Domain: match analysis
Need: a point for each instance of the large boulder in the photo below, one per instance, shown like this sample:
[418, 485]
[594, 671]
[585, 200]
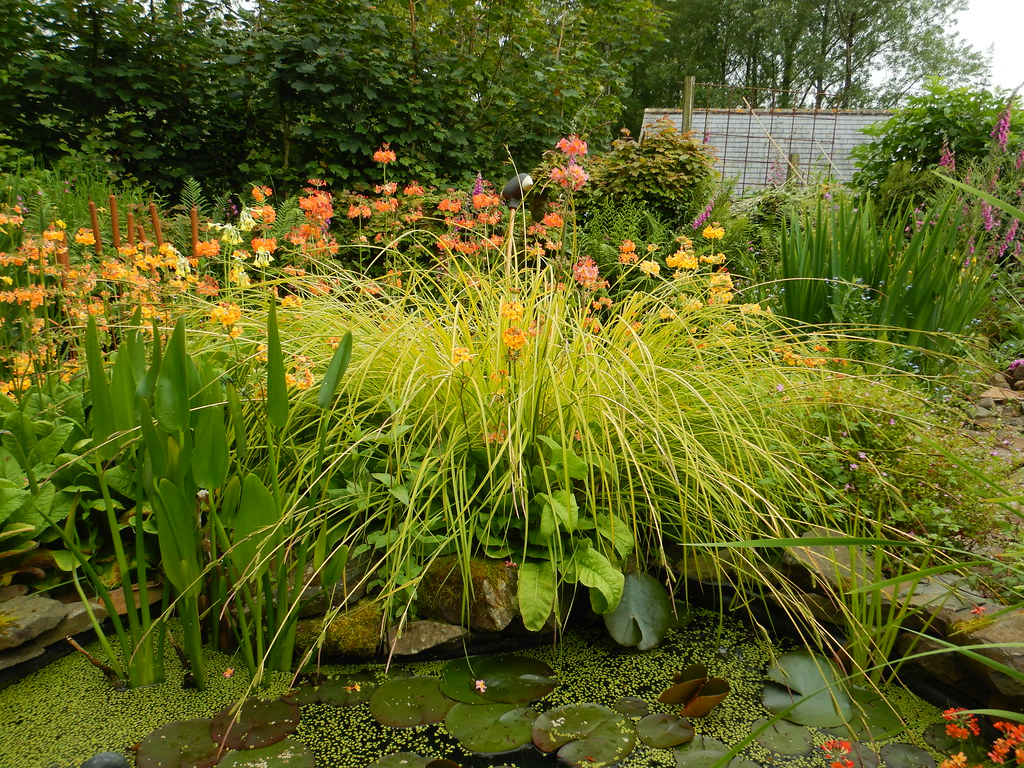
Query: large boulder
[481, 596]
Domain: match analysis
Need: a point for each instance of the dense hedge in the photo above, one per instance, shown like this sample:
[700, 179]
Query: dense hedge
[293, 90]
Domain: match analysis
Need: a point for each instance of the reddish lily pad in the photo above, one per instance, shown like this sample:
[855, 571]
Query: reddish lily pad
[182, 744]
[585, 734]
[258, 723]
[698, 693]
[491, 728]
[410, 701]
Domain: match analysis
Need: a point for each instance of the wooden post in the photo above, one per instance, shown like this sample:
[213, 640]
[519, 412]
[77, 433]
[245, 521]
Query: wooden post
[95, 221]
[793, 166]
[115, 223]
[131, 227]
[195, 230]
[154, 215]
[689, 84]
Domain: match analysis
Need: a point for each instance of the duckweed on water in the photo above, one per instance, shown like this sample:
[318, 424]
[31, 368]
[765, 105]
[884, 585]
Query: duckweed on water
[66, 712]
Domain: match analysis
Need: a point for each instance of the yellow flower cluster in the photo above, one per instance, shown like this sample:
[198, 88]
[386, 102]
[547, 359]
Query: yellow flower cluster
[514, 338]
[512, 311]
[226, 314]
[461, 355]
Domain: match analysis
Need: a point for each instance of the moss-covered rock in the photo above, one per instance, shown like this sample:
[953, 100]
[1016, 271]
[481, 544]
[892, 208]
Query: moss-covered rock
[482, 596]
[355, 632]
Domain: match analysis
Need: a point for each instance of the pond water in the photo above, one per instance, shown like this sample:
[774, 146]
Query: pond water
[66, 712]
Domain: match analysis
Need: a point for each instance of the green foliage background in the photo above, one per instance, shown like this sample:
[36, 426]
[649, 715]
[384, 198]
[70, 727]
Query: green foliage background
[294, 90]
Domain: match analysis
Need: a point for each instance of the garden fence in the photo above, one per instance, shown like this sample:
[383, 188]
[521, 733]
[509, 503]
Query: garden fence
[765, 136]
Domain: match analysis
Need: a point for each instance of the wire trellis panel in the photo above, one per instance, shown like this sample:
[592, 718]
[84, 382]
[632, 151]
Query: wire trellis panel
[762, 147]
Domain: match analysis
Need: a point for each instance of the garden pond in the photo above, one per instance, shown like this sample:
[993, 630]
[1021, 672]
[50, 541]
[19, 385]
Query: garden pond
[586, 698]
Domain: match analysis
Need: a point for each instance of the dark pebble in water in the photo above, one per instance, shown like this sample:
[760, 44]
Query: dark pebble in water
[106, 760]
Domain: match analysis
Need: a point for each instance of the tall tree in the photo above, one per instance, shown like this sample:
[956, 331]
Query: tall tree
[807, 53]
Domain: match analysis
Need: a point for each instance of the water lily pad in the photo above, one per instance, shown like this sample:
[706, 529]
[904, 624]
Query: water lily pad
[709, 758]
[783, 737]
[442, 762]
[584, 734]
[906, 756]
[491, 728]
[348, 691]
[631, 706]
[503, 678]
[873, 718]
[936, 737]
[808, 691]
[410, 701]
[698, 693]
[663, 730]
[643, 614]
[687, 683]
[284, 754]
[862, 756]
[701, 742]
[257, 724]
[401, 760]
[182, 744]
[302, 694]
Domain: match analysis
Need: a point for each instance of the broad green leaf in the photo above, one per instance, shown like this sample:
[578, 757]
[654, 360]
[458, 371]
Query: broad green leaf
[177, 534]
[50, 444]
[592, 569]
[254, 531]
[123, 385]
[337, 368]
[536, 592]
[566, 459]
[237, 420]
[102, 413]
[564, 508]
[277, 385]
[210, 457]
[171, 395]
[644, 613]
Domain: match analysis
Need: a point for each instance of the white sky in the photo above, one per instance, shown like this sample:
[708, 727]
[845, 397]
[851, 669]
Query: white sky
[998, 23]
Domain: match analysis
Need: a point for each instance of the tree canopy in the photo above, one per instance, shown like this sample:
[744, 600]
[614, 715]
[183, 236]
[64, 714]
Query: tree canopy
[286, 90]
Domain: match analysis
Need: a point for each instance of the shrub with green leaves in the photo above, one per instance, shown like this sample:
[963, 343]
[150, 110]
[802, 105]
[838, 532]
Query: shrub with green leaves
[671, 173]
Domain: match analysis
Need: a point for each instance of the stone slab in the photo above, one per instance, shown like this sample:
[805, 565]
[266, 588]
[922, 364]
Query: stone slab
[25, 618]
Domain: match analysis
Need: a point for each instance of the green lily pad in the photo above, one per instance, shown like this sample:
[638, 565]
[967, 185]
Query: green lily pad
[442, 762]
[302, 694]
[505, 678]
[631, 706]
[257, 724]
[701, 742]
[862, 755]
[401, 760]
[643, 614]
[348, 691]
[183, 744]
[906, 756]
[935, 736]
[663, 730]
[491, 728]
[783, 737]
[809, 691]
[873, 718]
[708, 758]
[284, 754]
[584, 734]
[410, 701]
